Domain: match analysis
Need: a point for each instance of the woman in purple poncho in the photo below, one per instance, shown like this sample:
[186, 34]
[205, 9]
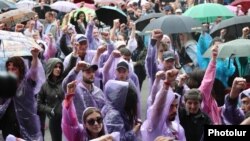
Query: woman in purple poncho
[18, 113]
[92, 127]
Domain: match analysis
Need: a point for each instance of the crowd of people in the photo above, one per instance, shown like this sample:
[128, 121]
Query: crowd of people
[88, 77]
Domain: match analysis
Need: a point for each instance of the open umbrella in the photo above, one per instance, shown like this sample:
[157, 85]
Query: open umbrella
[17, 16]
[233, 25]
[143, 21]
[26, 4]
[234, 48]
[107, 2]
[244, 3]
[107, 14]
[170, 24]
[63, 6]
[42, 9]
[6, 5]
[208, 12]
[16, 44]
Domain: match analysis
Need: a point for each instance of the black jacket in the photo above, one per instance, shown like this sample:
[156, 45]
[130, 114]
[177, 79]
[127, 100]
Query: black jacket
[193, 124]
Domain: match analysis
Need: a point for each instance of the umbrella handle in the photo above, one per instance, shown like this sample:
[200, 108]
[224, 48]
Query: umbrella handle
[231, 56]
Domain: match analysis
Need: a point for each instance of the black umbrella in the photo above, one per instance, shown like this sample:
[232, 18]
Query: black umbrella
[171, 24]
[143, 21]
[233, 26]
[107, 14]
[42, 11]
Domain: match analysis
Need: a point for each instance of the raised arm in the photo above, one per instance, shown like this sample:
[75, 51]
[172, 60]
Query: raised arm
[160, 75]
[132, 42]
[51, 50]
[209, 104]
[89, 32]
[163, 100]
[73, 73]
[108, 64]
[151, 57]
[35, 63]
[231, 112]
[70, 125]
[116, 25]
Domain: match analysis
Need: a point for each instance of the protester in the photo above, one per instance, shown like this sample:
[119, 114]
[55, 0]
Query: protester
[51, 95]
[92, 121]
[162, 116]
[120, 113]
[18, 114]
[87, 94]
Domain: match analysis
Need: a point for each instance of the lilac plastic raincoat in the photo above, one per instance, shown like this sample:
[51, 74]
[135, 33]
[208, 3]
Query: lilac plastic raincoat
[25, 104]
[114, 115]
[157, 124]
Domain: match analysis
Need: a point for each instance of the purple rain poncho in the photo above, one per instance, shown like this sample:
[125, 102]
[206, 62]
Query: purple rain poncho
[113, 112]
[72, 129]
[83, 97]
[156, 124]
[25, 103]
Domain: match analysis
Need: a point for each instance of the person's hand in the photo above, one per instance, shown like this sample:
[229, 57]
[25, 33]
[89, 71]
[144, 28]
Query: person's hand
[238, 85]
[214, 51]
[81, 65]
[35, 52]
[71, 87]
[19, 27]
[123, 27]
[101, 49]
[245, 32]
[157, 34]
[160, 75]
[116, 53]
[132, 25]
[182, 79]
[137, 127]
[116, 23]
[162, 138]
[223, 32]
[171, 75]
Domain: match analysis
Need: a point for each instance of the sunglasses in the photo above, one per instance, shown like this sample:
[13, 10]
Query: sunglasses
[92, 121]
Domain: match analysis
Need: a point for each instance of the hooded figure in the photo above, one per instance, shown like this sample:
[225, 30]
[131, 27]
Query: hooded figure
[120, 115]
[19, 113]
[51, 95]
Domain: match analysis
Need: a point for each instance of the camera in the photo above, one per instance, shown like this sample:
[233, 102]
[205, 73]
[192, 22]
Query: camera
[8, 85]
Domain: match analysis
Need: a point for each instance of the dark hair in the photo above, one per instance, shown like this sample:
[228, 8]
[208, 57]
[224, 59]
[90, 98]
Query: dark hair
[124, 36]
[195, 78]
[78, 17]
[131, 104]
[216, 39]
[140, 43]
[88, 112]
[17, 62]
[125, 51]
